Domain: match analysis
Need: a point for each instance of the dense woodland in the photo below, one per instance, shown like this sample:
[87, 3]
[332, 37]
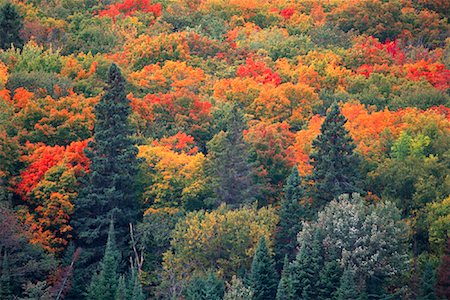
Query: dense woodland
[224, 149]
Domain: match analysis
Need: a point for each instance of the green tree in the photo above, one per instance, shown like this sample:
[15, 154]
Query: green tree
[5, 278]
[348, 288]
[135, 286]
[111, 188]
[329, 279]
[290, 215]
[104, 284]
[237, 290]
[121, 291]
[285, 289]
[11, 22]
[263, 276]
[229, 167]
[209, 288]
[428, 282]
[334, 162]
[306, 267]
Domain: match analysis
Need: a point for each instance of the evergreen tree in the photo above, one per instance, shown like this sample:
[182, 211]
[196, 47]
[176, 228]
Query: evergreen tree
[11, 22]
[236, 290]
[121, 291]
[110, 189]
[135, 290]
[5, 278]
[103, 285]
[209, 288]
[263, 276]
[427, 282]
[443, 274]
[348, 288]
[329, 279]
[290, 215]
[306, 268]
[285, 289]
[229, 166]
[333, 160]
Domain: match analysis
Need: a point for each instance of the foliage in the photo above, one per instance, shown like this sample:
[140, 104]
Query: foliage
[262, 274]
[10, 24]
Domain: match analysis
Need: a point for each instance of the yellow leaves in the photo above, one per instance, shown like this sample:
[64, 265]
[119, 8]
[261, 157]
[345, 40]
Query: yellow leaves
[3, 75]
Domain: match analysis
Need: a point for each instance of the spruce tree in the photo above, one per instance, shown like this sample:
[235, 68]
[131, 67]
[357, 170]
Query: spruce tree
[306, 268]
[348, 288]
[334, 162]
[110, 189]
[209, 288]
[121, 291]
[135, 287]
[5, 278]
[104, 284]
[263, 277]
[11, 22]
[228, 164]
[285, 289]
[329, 279]
[290, 216]
[428, 282]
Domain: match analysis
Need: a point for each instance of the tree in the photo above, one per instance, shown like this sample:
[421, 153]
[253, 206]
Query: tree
[110, 190]
[121, 291]
[104, 284]
[335, 165]
[290, 215]
[263, 276]
[285, 289]
[306, 268]
[348, 289]
[10, 26]
[209, 288]
[5, 278]
[329, 278]
[428, 282]
[229, 166]
[443, 274]
[236, 290]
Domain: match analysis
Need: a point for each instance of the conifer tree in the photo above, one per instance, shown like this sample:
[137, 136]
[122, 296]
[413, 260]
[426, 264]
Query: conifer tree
[348, 289]
[290, 215]
[104, 284]
[209, 288]
[110, 189]
[237, 290]
[121, 291]
[229, 166]
[329, 279]
[306, 268]
[285, 289]
[135, 286]
[334, 162]
[11, 22]
[263, 276]
[428, 282]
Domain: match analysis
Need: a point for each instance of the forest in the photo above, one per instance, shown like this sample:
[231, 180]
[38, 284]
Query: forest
[224, 149]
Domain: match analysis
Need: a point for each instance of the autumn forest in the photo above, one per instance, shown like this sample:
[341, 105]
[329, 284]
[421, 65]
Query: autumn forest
[224, 149]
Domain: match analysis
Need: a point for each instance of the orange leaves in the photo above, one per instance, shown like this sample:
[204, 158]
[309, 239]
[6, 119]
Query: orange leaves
[130, 7]
[259, 71]
[3, 75]
[435, 73]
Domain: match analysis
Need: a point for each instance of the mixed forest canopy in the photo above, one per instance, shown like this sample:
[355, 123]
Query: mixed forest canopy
[224, 149]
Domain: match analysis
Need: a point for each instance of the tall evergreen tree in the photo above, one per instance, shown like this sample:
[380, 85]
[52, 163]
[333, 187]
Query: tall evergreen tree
[348, 288]
[306, 268]
[329, 279]
[110, 190]
[229, 166]
[263, 277]
[5, 278]
[104, 284]
[334, 162]
[285, 289]
[121, 291]
[135, 287]
[11, 22]
[428, 282]
[290, 215]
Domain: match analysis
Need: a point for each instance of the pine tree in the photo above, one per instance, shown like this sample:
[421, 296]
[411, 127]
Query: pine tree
[110, 189]
[335, 165]
[290, 215]
[103, 285]
[443, 274]
[135, 290]
[229, 166]
[263, 276]
[306, 268]
[348, 289]
[11, 22]
[427, 282]
[329, 279]
[121, 291]
[209, 288]
[285, 289]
